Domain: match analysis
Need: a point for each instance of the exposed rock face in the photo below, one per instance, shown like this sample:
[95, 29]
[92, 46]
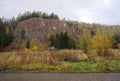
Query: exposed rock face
[40, 28]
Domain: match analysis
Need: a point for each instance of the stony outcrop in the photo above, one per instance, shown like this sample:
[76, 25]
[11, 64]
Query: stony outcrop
[40, 28]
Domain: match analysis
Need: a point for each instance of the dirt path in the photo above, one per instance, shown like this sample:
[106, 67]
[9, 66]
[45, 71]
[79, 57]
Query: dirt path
[59, 76]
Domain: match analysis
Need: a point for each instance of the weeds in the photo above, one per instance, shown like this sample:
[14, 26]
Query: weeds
[60, 61]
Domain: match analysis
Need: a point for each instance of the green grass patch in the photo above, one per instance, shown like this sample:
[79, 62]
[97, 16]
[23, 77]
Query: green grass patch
[90, 66]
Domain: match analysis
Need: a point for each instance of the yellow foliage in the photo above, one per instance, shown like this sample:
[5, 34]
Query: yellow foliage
[35, 47]
[102, 41]
[84, 40]
[32, 43]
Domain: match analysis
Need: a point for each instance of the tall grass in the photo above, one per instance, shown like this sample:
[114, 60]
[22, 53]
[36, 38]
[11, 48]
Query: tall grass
[116, 54]
[42, 57]
[51, 60]
[71, 55]
[101, 55]
[25, 57]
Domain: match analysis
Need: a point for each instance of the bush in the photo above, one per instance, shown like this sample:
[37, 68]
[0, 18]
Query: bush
[100, 55]
[118, 45]
[71, 55]
[116, 54]
[102, 41]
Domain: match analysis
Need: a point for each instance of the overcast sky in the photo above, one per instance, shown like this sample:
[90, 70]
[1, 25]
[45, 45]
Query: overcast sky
[99, 11]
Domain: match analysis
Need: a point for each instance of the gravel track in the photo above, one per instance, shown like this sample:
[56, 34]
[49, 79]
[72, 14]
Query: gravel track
[29, 76]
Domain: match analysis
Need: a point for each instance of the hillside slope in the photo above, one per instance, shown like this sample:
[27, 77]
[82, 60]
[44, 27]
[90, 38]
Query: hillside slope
[40, 28]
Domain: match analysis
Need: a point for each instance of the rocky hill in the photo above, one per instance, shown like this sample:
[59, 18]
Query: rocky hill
[39, 28]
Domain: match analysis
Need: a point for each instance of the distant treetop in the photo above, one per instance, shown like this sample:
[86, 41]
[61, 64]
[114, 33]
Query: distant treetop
[38, 14]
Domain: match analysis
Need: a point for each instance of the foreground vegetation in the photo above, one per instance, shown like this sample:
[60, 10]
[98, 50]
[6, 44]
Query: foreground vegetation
[90, 66]
[60, 61]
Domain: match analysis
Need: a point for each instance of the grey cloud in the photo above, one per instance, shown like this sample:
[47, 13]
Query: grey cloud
[99, 11]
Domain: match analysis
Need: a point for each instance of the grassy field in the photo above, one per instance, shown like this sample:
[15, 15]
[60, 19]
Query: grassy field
[108, 66]
[60, 61]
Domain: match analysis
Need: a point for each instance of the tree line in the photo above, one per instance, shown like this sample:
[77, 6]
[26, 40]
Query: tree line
[6, 36]
[87, 33]
[89, 36]
[38, 14]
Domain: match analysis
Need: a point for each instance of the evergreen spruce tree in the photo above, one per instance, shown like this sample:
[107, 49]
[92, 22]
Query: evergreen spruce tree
[28, 44]
[52, 39]
[57, 41]
[62, 41]
[52, 16]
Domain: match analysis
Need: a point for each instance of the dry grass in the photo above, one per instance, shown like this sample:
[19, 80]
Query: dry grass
[54, 57]
[116, 54]
[25, 57]
[101, 55]
[71, 55]
[56, 61]
[46, 57]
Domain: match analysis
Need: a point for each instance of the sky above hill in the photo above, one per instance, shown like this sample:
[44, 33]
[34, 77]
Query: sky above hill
[98, 11]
